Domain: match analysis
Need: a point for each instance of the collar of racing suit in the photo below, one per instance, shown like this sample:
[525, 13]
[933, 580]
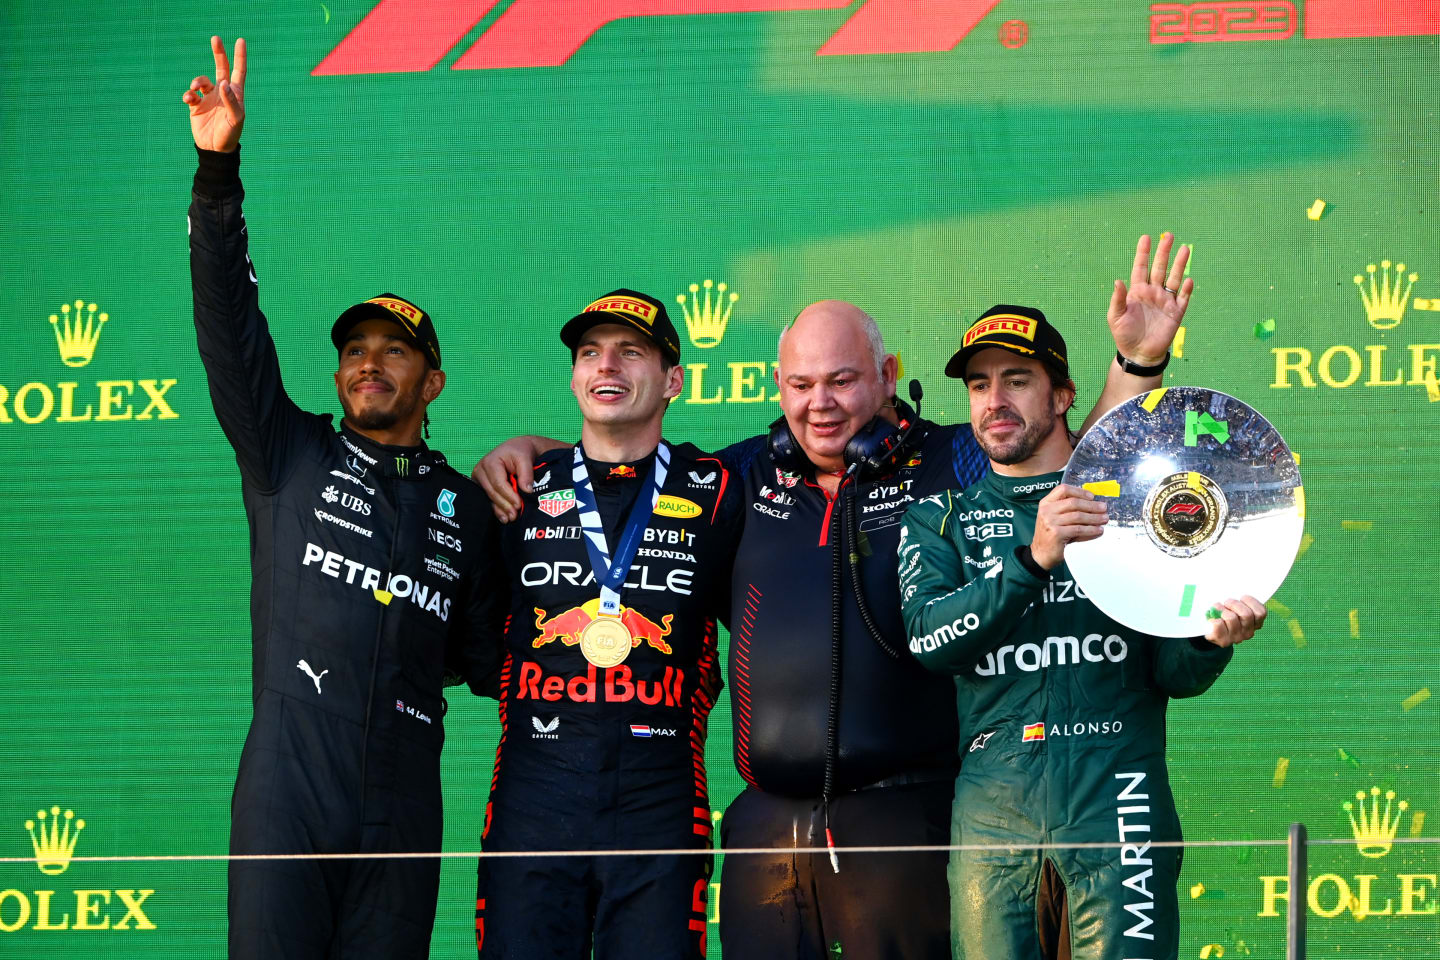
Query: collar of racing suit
[1021, 488]
[405, 463]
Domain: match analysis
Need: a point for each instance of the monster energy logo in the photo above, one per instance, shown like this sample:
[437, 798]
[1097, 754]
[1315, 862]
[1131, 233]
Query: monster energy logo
[402, 466]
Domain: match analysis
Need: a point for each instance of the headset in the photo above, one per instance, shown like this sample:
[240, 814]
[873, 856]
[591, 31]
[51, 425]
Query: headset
[874, 451]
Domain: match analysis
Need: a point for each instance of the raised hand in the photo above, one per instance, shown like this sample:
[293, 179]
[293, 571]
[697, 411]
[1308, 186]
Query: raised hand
[217, 110]
[1143, 318]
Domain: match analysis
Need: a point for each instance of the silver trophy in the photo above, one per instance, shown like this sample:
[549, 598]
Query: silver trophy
[1205, 504]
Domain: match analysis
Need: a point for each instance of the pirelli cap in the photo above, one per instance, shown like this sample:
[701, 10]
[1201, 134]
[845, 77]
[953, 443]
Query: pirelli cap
[627, 308]
[387, 306]
[1022, 330]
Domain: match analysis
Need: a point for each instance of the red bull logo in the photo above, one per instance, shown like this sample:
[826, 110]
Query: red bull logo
[566, 626]
[624, 470]
[617, 685]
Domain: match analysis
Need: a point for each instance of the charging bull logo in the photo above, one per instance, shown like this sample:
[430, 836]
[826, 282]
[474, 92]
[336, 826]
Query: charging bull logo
[566, 626]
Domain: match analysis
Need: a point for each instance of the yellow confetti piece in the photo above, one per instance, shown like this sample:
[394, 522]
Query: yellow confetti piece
[1296, 456]
[384, 596]
[1297, 633]
[1178, 346]
[1152, 400]
[1432, 389]
[1278, 608]
[1211, 951]
[1104, 488]
[899, 368]
[1417, 823]
[1354, 624]
[1358, 526]
[1192, 480]
[1300, 501]
[1305, 541]
[1415, 699]
[1316, 209]
[1420, 303]
[1197, 890]
[1282, 767]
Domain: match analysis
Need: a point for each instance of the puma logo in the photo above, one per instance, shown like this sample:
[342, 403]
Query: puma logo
[305, 667]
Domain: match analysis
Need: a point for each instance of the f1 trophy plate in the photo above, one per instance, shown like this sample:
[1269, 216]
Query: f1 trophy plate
[1205, 504]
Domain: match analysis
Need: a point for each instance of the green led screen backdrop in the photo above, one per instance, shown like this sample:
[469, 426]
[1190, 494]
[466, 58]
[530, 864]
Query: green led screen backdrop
[504, 162]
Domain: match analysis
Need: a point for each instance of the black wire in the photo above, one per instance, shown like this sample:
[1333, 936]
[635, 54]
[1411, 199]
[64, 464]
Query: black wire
[853, 549]
[832, 720]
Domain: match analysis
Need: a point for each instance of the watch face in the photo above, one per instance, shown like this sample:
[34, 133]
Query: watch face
[1205, 503]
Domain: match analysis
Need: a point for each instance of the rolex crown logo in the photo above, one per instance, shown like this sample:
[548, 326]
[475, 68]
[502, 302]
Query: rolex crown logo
[54, 845]
[1375, 831]
[77, 331]
[706, 319]
[1385, 304]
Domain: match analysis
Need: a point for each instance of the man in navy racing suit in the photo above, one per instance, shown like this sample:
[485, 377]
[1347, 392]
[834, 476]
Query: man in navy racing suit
[372, 571]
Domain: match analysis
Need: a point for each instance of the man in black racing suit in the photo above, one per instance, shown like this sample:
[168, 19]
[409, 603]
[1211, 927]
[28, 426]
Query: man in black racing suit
[604, 707]
[372, 571]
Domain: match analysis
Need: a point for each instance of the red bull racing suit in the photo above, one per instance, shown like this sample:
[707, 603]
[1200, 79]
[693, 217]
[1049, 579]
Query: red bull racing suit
[1062, 722]
[607, 757]
[372, 568]
[891, 747]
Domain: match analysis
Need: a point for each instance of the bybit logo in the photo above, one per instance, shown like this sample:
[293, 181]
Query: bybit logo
[77, 330]
[53, 837]
[1385, 299]
[706, 320]
[77, 336]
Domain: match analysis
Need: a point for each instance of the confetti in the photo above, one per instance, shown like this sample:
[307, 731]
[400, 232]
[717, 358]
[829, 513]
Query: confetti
[1282, 767]
[1432, 389]
[1416, 698]
[1420, 303]
[1152, 400]
[1104, 488]
[1213, 614]
[1344, 756]
[327, 12]
[1300, 501]
[1354, 624]
[384, 596]
[1296, 456]
[1316, 209]
[1297, 633]
[1191, 260]
[1264, 329]
[1359, 526]
[1278, 608]
[1305, 541]
[1417, 823]
[1187, 599]
[1211, 951]
[1178, 346]
[1197, 890]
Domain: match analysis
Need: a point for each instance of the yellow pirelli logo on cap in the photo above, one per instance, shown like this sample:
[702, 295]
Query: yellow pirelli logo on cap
[407, 312]
[1001, 323]
[639, 309]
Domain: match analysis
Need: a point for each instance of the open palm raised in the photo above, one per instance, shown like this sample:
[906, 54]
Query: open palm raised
[217, 110]
[1144, 317]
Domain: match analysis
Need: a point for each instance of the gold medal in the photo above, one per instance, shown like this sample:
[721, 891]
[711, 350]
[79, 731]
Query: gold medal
[605, 641]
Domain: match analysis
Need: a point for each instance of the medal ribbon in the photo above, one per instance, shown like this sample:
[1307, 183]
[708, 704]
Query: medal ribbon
[611, 573]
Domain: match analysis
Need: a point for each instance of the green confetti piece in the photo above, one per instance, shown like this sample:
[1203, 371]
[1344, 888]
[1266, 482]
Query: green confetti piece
[327, 12]
[836, 949]
[1344, 756]
[1243, 856]
[1197, 423]
[1187, 600]
[1213, 614]
[1265, 329]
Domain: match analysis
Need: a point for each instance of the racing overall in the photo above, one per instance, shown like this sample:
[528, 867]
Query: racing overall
[1062, 731]
[372, 569]
[607, 757]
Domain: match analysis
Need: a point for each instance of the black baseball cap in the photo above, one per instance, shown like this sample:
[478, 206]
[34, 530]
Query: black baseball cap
[1022, 330]
[387, 306]
[627, 308]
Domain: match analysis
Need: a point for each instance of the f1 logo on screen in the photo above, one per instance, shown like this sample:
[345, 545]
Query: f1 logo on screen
[410, 36]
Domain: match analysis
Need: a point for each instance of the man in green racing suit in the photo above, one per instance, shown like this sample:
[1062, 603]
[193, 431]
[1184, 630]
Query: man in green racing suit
[1062, 710]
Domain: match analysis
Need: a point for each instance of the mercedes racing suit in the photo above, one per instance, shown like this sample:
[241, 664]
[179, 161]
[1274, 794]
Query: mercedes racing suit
[1062, 722]
[892, 764]
[370, 572]
[607, 757]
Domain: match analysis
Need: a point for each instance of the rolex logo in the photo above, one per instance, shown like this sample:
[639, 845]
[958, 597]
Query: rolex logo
[1375, 831]
[705, 319]
[54, 843]
[77, 331]
[1385, 304]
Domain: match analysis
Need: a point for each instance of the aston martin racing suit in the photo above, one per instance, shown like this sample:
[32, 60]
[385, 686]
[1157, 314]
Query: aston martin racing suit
[371, 569]
[607, 757]
[1062, 724]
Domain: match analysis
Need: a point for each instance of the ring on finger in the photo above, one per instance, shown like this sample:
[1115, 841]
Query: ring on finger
[1173, 293]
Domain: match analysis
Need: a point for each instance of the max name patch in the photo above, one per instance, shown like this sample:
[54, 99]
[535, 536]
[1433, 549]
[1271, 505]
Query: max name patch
[1000, 323]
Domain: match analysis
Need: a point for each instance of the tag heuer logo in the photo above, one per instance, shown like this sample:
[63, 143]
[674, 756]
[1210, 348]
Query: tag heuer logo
[556, 503]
